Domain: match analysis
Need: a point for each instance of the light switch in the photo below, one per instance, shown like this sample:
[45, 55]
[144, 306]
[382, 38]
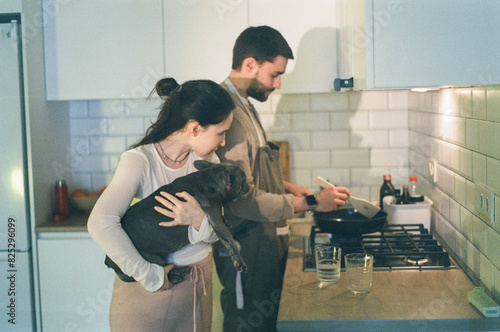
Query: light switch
[484, 203]
[433, 170]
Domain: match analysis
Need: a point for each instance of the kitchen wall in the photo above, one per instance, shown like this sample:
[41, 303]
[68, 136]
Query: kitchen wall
[460, 128]
[352, 139]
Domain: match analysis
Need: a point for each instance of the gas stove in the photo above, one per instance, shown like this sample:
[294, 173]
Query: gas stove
[395, 247]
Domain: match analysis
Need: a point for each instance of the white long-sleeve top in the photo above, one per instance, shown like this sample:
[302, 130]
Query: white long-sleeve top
[139, 173]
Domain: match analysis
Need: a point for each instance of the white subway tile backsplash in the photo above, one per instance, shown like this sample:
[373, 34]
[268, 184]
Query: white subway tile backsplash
[398, 99]
[143, 107]
[493, 104]
[479, 233]
[486, 136]
[89, 164]
[486, 272]
[108, 145]
[449, 102]
[473, 259]
[371, 176]
[472, 134]
[126, 126]
[290, 103]
[340, 121]
[357, 120]
[330, 102]
[465, 100]
[460, 190]
[297, 140]
[454, 216]
[89, 127]
[329, 140]
[78, 108]
[465, 167]
[311, 159]
[351, 138]
[369, 139]
[307, 121]
[369, 100]
[302, 176]
[493, 174]
[493, 246]
[100, 180]
[107, 108]
[337, 176]
[350, 158]
[389, 120]
[454, 161]
[276, 122]
[389, 157]
[398, 138]
[466, 223]
[479, 168]
[479, 103]
[80, 146]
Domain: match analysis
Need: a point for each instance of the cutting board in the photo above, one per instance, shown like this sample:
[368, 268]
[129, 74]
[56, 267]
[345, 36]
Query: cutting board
[284, 158]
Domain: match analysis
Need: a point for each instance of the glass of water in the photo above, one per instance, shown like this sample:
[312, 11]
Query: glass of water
[359, 269]
[328, 263]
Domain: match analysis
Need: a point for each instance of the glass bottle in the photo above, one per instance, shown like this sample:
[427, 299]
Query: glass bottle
[413, 186]
[61, 198]
[387, 189]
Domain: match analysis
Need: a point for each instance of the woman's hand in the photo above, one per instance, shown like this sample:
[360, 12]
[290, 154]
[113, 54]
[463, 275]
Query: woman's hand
[166, 284]
[183, 213]
[331, 198]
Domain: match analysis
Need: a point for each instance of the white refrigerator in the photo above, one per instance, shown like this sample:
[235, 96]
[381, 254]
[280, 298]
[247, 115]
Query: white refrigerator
[16, 281]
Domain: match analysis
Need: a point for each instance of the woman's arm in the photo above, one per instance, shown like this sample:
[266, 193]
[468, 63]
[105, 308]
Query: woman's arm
[104, 222]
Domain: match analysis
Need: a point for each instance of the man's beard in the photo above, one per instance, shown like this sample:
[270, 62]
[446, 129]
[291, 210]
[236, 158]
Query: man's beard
[258, 90]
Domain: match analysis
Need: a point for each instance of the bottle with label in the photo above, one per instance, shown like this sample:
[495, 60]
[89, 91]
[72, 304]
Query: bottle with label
[387, 189]
[414, 191]
[413, 186]
[61, 198]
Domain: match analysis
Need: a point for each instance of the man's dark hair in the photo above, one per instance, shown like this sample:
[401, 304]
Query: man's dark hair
[262, 43]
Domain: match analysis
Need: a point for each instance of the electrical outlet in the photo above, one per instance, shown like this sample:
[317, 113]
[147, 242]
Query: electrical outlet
[484, 203]
[433, 170]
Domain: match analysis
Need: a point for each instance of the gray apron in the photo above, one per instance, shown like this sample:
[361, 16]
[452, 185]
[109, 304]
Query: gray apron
[258, 291]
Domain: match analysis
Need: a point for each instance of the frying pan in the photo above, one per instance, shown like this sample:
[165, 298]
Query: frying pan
[349, 221]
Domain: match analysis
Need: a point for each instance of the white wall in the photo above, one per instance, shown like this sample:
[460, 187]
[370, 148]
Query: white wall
[349, 138]
[460, 128]
[352, 139]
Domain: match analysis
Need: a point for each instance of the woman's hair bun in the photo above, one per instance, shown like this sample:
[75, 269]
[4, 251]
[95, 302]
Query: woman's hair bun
[165, 86]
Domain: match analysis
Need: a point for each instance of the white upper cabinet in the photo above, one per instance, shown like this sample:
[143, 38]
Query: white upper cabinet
[424, 43]
[310, 29]
[199, 37]
[98, 49]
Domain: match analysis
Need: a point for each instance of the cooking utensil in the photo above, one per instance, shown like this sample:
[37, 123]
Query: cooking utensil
[364, 207]
[349, 221]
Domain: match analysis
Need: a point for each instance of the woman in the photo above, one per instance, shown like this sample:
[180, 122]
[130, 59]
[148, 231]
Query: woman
[191, 125]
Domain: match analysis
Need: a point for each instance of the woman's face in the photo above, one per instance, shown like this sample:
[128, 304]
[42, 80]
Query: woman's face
[209, 138]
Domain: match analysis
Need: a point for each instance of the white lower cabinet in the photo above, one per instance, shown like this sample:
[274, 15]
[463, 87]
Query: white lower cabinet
[75, 285]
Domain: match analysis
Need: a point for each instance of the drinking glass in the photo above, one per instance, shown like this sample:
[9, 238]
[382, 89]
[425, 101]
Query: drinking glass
[359, 269]
[328, 263]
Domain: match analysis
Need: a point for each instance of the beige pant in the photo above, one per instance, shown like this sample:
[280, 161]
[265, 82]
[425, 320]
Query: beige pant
[135, 309]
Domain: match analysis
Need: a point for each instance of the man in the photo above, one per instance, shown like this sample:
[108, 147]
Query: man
[258, 221]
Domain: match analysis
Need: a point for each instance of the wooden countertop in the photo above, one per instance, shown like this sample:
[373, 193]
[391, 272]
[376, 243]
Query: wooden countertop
[77, 222]
[398, 300]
